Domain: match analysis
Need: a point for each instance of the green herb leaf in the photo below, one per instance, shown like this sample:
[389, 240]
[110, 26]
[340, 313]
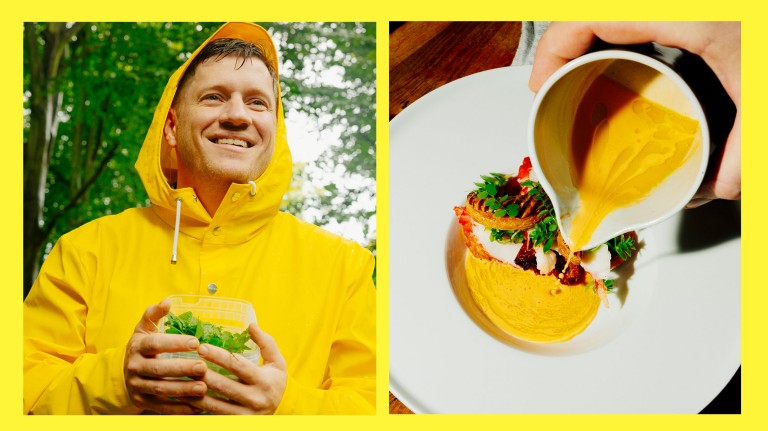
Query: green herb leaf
[548, 245]
[187, 324]
[545, 231]
[490, 186]
[491, 189]
[622, 246]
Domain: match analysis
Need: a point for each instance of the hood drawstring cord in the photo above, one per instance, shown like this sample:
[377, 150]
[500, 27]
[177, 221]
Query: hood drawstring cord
[176, 231]
[178, 222]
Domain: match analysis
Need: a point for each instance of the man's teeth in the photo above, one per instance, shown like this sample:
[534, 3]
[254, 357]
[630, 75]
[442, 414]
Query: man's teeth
[236, 142]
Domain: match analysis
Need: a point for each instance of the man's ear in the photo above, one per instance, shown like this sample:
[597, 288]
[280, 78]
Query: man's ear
[170, 128]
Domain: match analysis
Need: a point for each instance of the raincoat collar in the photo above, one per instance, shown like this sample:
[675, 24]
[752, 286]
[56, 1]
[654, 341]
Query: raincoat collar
[242, 213]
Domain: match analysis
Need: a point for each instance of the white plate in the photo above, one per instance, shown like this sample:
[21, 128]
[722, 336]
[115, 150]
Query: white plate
[668, 344]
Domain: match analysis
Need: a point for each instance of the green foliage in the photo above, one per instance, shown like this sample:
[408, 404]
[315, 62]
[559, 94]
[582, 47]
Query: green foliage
[507, 236]
[488, 189]
[348, 106]
[113, 74]
[545, 231]
[609, 284]
[187, 324]
[622, 245]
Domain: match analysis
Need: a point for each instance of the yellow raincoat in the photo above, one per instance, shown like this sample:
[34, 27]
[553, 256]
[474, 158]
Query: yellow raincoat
[312, 291]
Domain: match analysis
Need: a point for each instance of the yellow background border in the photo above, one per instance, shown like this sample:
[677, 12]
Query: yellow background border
[754, 296]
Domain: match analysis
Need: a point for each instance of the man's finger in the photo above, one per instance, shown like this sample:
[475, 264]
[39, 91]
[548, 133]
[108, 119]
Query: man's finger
[164, 406]
[234, 390]
[562, 42]
[238, 365]
[152, 315]
[728, 178]
[217, 406]
[171, 367]
[153, 344]
[723, 179]
[170, 388]
[268, 346]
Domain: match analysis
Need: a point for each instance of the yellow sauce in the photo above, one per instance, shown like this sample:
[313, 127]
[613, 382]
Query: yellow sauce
[622, 147]
[528, 306]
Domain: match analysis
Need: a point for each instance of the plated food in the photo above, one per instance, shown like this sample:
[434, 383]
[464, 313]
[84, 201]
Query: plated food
[521, 272]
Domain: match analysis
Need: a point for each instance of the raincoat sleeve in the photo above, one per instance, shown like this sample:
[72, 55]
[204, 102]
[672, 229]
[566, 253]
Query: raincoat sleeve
[60, 375]
[350, 384]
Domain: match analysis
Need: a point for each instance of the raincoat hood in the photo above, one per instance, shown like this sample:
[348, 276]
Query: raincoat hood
[246, 208]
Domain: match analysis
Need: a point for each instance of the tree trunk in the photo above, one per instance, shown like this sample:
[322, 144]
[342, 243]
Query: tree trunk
[44, 101]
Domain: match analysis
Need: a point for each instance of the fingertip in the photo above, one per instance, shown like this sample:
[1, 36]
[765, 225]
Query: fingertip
[534, 84]
[695, 203]
[203, 350]
[199, 369]
[193, 343]
[165, 306]
[255, 331]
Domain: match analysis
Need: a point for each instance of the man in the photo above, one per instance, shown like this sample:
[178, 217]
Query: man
[215, 163]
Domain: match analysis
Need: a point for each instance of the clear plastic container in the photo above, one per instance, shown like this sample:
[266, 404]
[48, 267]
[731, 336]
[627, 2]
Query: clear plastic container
[228, 314]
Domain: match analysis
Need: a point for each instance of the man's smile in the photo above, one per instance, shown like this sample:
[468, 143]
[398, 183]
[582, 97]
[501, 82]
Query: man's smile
[232, 141]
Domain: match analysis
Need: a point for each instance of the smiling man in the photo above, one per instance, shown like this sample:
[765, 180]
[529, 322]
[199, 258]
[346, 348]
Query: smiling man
[215, 163]
[223, 120]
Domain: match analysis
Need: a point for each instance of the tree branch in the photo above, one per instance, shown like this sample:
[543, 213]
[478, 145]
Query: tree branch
[74, 201]
[76, 27]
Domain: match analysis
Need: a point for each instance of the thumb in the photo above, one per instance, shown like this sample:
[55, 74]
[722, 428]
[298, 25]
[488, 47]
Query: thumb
[152, 315]
[268, 346]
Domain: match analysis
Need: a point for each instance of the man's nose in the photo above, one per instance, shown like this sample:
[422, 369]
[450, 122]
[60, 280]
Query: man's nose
[234, 113]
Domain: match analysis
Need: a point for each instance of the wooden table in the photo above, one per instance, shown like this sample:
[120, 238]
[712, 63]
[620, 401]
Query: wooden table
[426, 55]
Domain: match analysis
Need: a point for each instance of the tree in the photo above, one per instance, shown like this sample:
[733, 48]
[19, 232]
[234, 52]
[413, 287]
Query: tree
[349, 105]
[91, 89]
[43, 62]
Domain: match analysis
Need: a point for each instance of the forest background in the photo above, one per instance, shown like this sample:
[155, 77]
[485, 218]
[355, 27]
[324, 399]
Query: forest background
[90, 90]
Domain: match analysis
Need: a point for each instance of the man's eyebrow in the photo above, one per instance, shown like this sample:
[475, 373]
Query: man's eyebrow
[249, 91]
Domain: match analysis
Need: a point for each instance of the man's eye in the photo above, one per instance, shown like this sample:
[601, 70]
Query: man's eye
[258, 104]
[211, 97]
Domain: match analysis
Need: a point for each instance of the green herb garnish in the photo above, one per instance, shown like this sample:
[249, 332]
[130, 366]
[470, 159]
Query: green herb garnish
[188, 324]
[622, 245]
[507, 236]
[492, 185]
[545, 231]
[609, 286]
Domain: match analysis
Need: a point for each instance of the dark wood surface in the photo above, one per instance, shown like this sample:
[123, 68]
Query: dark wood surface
[426, 55]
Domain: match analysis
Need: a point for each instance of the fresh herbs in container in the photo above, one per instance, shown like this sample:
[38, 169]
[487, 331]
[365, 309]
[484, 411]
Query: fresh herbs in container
[220, 322]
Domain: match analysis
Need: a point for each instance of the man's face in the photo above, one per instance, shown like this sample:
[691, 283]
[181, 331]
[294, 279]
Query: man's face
[223, 123]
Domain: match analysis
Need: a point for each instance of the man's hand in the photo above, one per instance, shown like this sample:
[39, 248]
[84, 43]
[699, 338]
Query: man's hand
[260, 388]
[717, 43]
[144, 373]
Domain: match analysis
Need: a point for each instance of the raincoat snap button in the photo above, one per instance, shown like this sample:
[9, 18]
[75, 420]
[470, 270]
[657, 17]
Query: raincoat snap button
[212, 288]
[235, 196]
[217, 230]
